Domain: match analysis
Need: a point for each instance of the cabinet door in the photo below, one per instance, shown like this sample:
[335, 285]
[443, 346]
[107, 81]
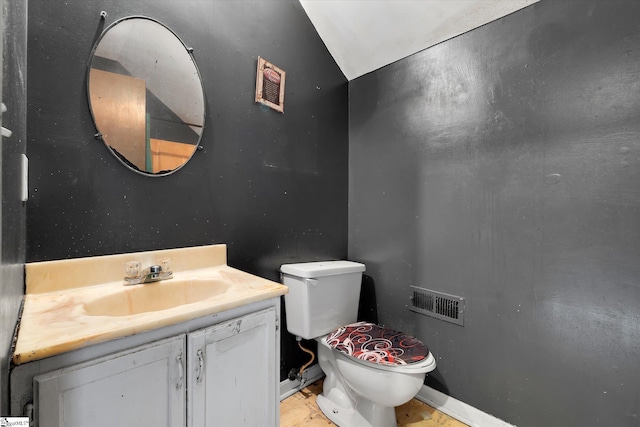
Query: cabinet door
[139, 387]
[231, 377]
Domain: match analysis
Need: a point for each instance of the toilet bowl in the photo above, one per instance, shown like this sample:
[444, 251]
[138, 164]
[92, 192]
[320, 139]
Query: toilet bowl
[357, 393]
[369, 369]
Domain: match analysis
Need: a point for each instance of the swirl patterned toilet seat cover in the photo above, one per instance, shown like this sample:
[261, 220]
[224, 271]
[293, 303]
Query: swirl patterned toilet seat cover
[377, 344]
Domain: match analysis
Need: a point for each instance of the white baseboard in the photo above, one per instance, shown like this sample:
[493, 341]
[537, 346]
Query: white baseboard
[288, 387]
[458, 410]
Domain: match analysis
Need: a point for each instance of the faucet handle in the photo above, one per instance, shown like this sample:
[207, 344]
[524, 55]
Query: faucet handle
[165, 265]
[132, 269]
[132, 272]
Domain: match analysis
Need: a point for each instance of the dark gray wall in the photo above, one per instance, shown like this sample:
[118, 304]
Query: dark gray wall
[13, 212]
[272, 187]
[504, 166]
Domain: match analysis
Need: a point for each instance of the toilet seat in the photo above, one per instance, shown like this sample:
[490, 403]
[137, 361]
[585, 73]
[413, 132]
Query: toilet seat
[381, 347]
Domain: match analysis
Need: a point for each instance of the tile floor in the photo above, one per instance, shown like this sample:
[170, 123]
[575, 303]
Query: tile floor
[300, 410]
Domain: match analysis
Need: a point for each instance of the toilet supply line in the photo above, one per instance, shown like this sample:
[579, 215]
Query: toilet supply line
[300, 374]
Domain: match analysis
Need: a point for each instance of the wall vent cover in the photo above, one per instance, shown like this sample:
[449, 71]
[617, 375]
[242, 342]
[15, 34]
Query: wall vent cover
[442, 306]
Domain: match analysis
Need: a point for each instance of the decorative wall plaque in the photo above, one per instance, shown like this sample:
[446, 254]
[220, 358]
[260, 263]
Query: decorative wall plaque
[270, 85]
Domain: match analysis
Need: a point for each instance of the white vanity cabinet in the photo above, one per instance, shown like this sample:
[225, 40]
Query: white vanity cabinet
[231, 379]
[140, 387]
[215, 371]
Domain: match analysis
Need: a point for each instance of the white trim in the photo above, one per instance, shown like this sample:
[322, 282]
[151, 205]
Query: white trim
[288, 387]
[458, 410]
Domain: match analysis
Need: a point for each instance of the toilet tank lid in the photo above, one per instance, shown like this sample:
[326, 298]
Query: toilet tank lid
[321, 268]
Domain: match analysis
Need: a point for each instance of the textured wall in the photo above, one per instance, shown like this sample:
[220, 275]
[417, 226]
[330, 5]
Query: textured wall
[503, 166]
[272, 187]
[14, 96]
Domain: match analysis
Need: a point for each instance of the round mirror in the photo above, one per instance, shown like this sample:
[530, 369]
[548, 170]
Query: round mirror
[146, 96]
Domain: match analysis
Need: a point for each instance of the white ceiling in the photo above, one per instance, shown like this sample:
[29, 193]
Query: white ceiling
[364, 35]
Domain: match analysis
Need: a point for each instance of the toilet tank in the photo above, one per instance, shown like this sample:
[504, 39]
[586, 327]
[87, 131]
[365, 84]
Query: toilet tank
[322, 296]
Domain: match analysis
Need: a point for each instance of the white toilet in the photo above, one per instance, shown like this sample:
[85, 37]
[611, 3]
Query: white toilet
[369, 369]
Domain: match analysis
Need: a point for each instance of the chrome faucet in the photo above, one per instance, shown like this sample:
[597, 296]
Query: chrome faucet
[154, 273]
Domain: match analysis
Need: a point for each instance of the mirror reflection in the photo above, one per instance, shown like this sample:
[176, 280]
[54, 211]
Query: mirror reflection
[146, 96]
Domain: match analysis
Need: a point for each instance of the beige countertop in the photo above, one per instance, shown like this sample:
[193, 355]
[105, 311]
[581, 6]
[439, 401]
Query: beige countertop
[71, 304]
